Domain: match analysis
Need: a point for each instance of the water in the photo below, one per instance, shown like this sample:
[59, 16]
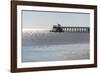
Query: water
[40, 46]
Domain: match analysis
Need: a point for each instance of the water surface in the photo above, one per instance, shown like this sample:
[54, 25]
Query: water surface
[40, 46]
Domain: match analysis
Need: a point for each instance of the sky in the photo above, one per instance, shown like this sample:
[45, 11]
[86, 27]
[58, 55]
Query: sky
[45, 20]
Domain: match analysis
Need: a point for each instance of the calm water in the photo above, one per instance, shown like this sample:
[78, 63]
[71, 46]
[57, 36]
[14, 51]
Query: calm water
[54, 46]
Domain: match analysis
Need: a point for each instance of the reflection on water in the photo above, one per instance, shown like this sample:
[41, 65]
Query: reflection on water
[54, 46]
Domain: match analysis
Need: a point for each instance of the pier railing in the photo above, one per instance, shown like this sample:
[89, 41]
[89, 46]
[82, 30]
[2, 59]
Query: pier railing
[71, 29]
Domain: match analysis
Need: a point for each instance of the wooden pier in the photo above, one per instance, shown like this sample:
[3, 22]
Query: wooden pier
[70, 29]
[75, 29]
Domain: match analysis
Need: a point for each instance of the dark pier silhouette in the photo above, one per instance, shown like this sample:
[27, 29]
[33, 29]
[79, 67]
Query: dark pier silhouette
[59, 28]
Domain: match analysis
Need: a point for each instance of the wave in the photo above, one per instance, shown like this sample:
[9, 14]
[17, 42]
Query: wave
[44, 37]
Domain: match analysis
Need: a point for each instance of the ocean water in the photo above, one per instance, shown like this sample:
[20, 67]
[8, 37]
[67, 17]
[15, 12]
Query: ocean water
[40, 46]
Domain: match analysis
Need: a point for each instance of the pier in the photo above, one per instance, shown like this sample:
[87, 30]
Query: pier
[60, 28]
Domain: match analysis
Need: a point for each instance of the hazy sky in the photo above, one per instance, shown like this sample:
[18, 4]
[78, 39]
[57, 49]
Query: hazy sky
[45, 20]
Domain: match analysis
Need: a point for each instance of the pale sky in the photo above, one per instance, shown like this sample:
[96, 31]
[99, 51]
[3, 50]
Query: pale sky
[45, 20]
